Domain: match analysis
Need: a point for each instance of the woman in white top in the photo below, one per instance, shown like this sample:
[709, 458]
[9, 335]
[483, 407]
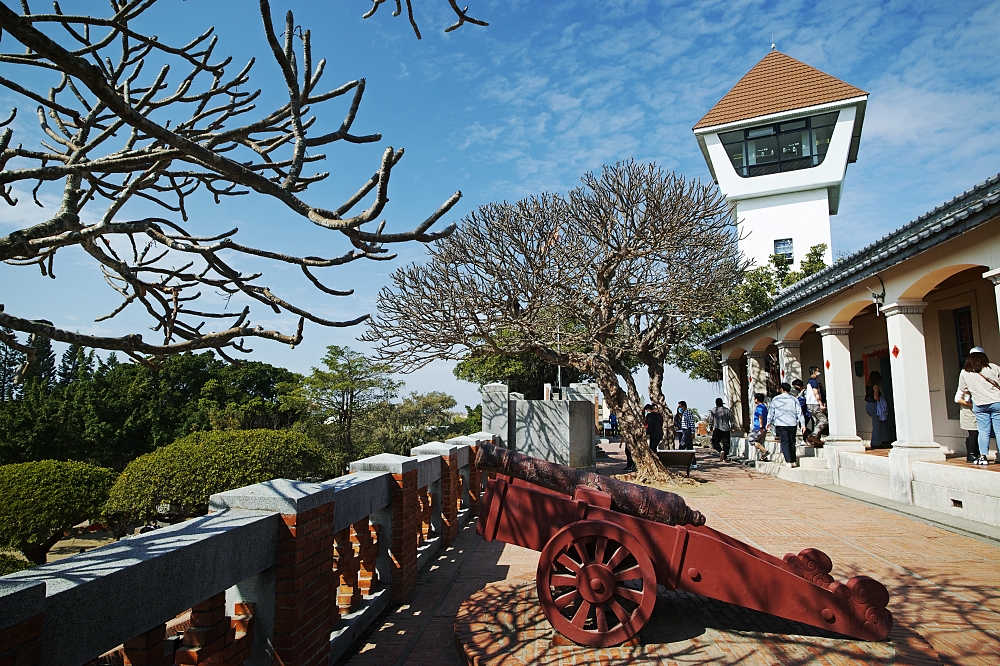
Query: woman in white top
[967, 421]
[981, 379]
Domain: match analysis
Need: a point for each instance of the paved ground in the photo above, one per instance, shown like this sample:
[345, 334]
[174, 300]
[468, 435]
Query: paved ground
[944, 586]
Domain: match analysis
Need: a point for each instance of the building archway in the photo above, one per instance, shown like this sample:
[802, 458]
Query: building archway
[934, 279]
[796, 332]
[850, 311]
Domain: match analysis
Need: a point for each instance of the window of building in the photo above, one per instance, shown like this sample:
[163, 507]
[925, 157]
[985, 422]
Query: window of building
[788, 146]
[963, 333]
[784, 246]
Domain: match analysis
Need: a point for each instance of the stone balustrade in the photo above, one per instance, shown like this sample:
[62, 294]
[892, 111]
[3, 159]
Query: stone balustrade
[282, 572]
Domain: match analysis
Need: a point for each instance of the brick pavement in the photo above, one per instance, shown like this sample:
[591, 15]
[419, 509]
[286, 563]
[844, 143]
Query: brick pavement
[944, 586]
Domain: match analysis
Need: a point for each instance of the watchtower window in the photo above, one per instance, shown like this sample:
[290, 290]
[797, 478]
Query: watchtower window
[788, 146]
[783, 246]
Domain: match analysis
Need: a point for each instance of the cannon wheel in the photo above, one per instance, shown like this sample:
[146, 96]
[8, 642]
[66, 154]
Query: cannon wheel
[596, 583]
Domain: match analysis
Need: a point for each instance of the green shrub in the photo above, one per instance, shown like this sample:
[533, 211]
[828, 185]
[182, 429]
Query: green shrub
[174, 482]
[41, 500]
[9, 564]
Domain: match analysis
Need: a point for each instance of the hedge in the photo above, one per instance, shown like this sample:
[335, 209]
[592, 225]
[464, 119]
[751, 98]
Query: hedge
[43, 499]
[174, 482]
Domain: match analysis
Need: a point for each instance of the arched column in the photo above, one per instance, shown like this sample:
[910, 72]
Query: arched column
[994, 277]
[731, 382]
[911, 395]
[756, 377]
[839, 382]
[790, 359]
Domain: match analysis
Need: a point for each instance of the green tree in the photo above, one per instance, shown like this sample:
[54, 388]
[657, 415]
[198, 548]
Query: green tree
[754, 297]
[10, 564]
[523, 373]
[248, 395]
[43, 369]
[419, 418]
[41, 500]
[10, 360]
[174, 482]
[76, 363]
[338, 398]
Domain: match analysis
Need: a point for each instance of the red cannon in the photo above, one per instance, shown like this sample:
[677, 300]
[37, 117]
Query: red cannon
[602, 556]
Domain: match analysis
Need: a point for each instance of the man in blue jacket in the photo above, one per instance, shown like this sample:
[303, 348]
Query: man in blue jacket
[756, 436]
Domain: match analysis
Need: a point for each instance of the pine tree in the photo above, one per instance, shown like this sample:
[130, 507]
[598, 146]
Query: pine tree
[10, 361]
[69, 364]
[43, 369]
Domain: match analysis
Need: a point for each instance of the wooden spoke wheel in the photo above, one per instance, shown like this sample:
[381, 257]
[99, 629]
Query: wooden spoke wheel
[596, 583]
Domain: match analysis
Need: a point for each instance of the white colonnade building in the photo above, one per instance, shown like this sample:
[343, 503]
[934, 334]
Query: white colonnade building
[909, 306]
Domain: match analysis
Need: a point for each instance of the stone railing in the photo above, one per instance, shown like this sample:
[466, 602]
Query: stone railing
[283, 572]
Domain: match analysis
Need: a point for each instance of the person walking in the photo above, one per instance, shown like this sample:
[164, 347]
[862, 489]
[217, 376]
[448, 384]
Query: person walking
[785, 414]
[816, 406]
[876, 407]
[678, 430]
[756, 436]
[981, 379]
[967, 421]
[654, 427]
[720, 420]
[613, 423]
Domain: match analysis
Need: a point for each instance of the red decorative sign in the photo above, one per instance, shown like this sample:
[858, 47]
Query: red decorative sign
[828, 364]
[895, 351]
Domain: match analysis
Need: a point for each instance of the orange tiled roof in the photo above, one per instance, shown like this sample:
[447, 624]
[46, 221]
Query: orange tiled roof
[777, 83]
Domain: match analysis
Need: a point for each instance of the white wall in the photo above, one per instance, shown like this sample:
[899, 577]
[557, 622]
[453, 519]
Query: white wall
[802, 216]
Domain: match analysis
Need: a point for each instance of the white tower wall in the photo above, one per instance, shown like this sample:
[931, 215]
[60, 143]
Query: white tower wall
[791, 204]
[802, 216]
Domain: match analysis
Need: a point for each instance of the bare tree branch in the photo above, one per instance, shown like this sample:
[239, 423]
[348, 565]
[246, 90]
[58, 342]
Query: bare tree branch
[601, 279]
[116, 135]
[461, 15]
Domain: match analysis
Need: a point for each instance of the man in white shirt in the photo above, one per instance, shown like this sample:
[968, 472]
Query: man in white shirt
[785, 414]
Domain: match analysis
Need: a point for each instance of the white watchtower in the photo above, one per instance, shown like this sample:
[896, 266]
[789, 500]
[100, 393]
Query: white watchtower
[778, 145]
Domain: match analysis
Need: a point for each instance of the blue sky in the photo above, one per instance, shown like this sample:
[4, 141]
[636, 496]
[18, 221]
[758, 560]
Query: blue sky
[551, 90]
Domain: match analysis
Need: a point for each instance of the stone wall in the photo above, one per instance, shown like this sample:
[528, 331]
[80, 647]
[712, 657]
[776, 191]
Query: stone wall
[283, 572]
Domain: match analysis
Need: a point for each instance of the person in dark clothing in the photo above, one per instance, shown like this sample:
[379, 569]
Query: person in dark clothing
[687, 426]
[720, 420]
[654, 427]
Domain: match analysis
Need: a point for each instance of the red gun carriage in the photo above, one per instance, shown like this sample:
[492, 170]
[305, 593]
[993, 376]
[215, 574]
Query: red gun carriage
[606, 544]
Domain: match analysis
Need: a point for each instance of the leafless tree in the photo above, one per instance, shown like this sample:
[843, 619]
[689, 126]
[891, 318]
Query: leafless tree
[461, 15]
[115, 133]
[599, 280]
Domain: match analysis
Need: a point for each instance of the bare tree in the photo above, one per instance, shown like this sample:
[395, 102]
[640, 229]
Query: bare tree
[120, 139]
[599, 280]
[461, 15]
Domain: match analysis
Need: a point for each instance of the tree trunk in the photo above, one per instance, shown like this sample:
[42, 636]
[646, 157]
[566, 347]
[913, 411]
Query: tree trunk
[654, 367]
[37, 553]
[630, 419]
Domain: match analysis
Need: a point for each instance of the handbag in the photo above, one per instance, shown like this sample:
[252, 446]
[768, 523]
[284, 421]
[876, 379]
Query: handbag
[882, 409]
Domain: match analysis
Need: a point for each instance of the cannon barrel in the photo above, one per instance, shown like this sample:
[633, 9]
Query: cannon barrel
[630, 498]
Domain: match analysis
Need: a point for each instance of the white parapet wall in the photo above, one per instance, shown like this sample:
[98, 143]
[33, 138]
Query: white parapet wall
[865, 473]
[966, 492]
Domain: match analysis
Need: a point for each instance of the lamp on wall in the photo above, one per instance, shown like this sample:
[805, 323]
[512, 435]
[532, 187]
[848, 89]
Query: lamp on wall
[878, 299]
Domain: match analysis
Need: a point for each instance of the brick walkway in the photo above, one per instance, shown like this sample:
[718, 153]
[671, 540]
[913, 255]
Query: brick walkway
[944, 586]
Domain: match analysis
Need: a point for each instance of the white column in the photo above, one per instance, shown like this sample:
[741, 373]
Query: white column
[733, 395]
[838, 376]
[756, 375]
[790, 359]
[994, 277]
[911, 396]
